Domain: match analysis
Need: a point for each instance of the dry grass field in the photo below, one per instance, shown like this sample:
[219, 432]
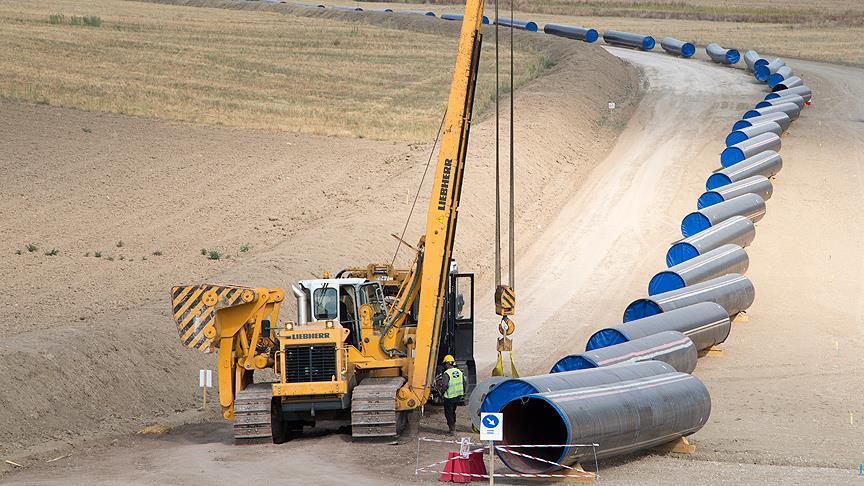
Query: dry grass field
[249, 69]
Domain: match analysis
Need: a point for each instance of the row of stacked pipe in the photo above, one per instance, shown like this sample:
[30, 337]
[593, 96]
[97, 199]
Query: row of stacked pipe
[632, 388]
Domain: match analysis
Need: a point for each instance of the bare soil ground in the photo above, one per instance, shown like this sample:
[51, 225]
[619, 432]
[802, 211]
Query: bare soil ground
[88, 344]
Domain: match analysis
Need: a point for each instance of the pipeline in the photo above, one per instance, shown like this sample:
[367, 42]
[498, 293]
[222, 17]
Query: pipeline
[746, 133]
[753, 60]
[791, 82]
[715, 263]
[451, 16]
[788, 98]
[766, 164]
[777, 117]
[706, 324]
[675, 46]
[781, 74]
[346, 8]
[723, 56]
[381, 10]
[737, 230]
[757, 184]
[749, 205]
[517, 24]
[670, 347]
[791, 109]
[733, 154]
[802, 91]
[309, 5]
[621, 417]
[513, 388]
[418, 12]
[733, 291]
[571, 32]
[762, 73]
[627, 39]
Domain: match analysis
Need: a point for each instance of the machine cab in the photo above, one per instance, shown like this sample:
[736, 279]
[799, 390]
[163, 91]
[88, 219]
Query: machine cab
[339, 300]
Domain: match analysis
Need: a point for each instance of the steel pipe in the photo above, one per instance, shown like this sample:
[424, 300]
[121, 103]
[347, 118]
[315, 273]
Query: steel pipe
[752, 60]
[514, 388]
[734, 292]
[622, 418]
[705, 323]
[722, 55]
[738, 230]
[715, 263]
[347, 8]
[381, 10]
[791, 82]
[517, 24]
[749, 205]
[309, 5]
[766, 164]
[757, 184]
[789, 98]
[571, 32]
[802, 91]
[781, 74]
[733, 154]
[777, 117]
[762, 73]
[617, 38]
[670, 347]
[675, 46]
[746, 133]
[418, 12]
[790, 109]
[451, 16]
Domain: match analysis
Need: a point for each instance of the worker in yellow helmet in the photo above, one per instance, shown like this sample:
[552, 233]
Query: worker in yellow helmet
[453, 386]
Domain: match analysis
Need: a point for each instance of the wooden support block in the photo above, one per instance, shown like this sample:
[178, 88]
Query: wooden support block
[578, 475]
[680, 446]
[713, 351]
[741, 318]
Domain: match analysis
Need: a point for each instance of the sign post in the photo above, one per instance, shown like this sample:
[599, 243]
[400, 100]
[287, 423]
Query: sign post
[491, 429]
[205, 381]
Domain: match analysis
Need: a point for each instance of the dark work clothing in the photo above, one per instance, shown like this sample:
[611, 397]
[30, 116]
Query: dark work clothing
[450, 405]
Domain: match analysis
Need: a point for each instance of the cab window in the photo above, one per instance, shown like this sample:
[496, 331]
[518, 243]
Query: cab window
[325, 303]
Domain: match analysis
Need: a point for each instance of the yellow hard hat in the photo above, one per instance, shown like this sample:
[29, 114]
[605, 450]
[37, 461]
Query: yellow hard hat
[449, 359]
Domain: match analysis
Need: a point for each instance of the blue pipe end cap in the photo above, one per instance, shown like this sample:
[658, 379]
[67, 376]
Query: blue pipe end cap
[591, 36]
[694, 223]
[751, 114]
[732, 56]
[572, 363]
[531, 26]
[741, 124]
[736, 136]
[762, 104]
[639, 309]
[709, 198]
[504, 392]
[760, 62]
[604, 338]
[688, 49]
[679, 253]
[485, 20]
[731, 156]
[761, 73]
[717, 180]
[771, 96]
[775, 79]
[665, 281]
[648, 43]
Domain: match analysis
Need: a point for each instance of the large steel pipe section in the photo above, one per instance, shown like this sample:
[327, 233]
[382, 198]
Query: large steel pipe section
[733, 292]
[627, 39]
[788, 83]
[790, 109]
[705, 323]
[778, 117]
[762, 73]
[759, 185]
[753, 60]
[571, 32]
[766, 164]
[745, 149]
[514, 388]
[678, 47]
[746, 133]
[450, 16]
[749, 205]
[778, 77]
[670, 347]
[715, 263]
[722, 55]
[622, 417]
[517, 24]
[418, 12]
[789, 98]
[802, 91]
[737, 230]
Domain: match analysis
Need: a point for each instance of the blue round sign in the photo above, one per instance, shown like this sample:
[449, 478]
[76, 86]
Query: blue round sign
[490, 421]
